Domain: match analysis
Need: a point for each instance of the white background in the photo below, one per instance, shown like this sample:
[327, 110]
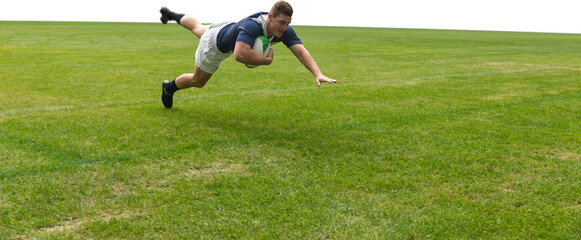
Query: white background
[563, 16]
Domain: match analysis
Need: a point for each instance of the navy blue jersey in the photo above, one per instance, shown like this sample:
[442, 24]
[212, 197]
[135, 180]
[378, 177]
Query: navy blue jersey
[248, 29]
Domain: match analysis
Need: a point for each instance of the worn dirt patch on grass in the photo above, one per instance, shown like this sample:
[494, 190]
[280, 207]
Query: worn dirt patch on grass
[217, 168]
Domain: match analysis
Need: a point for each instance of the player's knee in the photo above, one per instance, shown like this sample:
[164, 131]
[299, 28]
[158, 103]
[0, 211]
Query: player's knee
[199, 84]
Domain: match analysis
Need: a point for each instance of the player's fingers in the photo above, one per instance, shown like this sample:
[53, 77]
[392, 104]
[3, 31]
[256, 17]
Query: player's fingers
[329, 80]
[271, 53]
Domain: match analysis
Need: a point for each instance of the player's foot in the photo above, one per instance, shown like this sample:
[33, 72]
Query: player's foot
[164, 12]
[166, 98]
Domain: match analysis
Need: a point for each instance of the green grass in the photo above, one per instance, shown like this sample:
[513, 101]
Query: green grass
[428, 134]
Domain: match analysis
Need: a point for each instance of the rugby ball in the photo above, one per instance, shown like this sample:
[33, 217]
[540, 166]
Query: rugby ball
[262, 47]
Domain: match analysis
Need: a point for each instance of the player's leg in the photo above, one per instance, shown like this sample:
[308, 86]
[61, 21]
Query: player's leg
[193, 25]
[186, 21]
[198, 79]
[208, 60]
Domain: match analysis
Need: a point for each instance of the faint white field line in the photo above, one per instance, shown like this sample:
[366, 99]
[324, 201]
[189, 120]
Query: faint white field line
[47, 109]
[419, 79]
[68, 107]
[394, 82]
[497, 72]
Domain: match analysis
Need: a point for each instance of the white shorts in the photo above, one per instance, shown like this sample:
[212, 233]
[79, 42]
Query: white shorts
[208, 56]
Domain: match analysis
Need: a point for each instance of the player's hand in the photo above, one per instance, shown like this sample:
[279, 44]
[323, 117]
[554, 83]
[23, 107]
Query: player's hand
[324, 78]
[270, 56]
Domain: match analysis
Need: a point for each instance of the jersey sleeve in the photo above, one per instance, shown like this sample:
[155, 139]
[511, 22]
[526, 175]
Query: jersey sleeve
[290, 38]
[248, 31]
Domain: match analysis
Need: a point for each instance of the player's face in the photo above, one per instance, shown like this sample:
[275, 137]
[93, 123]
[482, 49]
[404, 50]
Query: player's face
[279, 24]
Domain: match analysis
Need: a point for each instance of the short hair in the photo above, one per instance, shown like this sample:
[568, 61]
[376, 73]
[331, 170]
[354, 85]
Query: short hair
[281, 7]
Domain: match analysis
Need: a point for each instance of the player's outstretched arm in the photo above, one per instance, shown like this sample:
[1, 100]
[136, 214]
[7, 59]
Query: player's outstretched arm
[306, 59]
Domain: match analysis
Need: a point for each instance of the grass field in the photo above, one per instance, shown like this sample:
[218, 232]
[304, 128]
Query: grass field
[428, 134]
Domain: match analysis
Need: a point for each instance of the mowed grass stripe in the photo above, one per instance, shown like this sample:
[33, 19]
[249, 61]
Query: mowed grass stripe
[344, 83]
